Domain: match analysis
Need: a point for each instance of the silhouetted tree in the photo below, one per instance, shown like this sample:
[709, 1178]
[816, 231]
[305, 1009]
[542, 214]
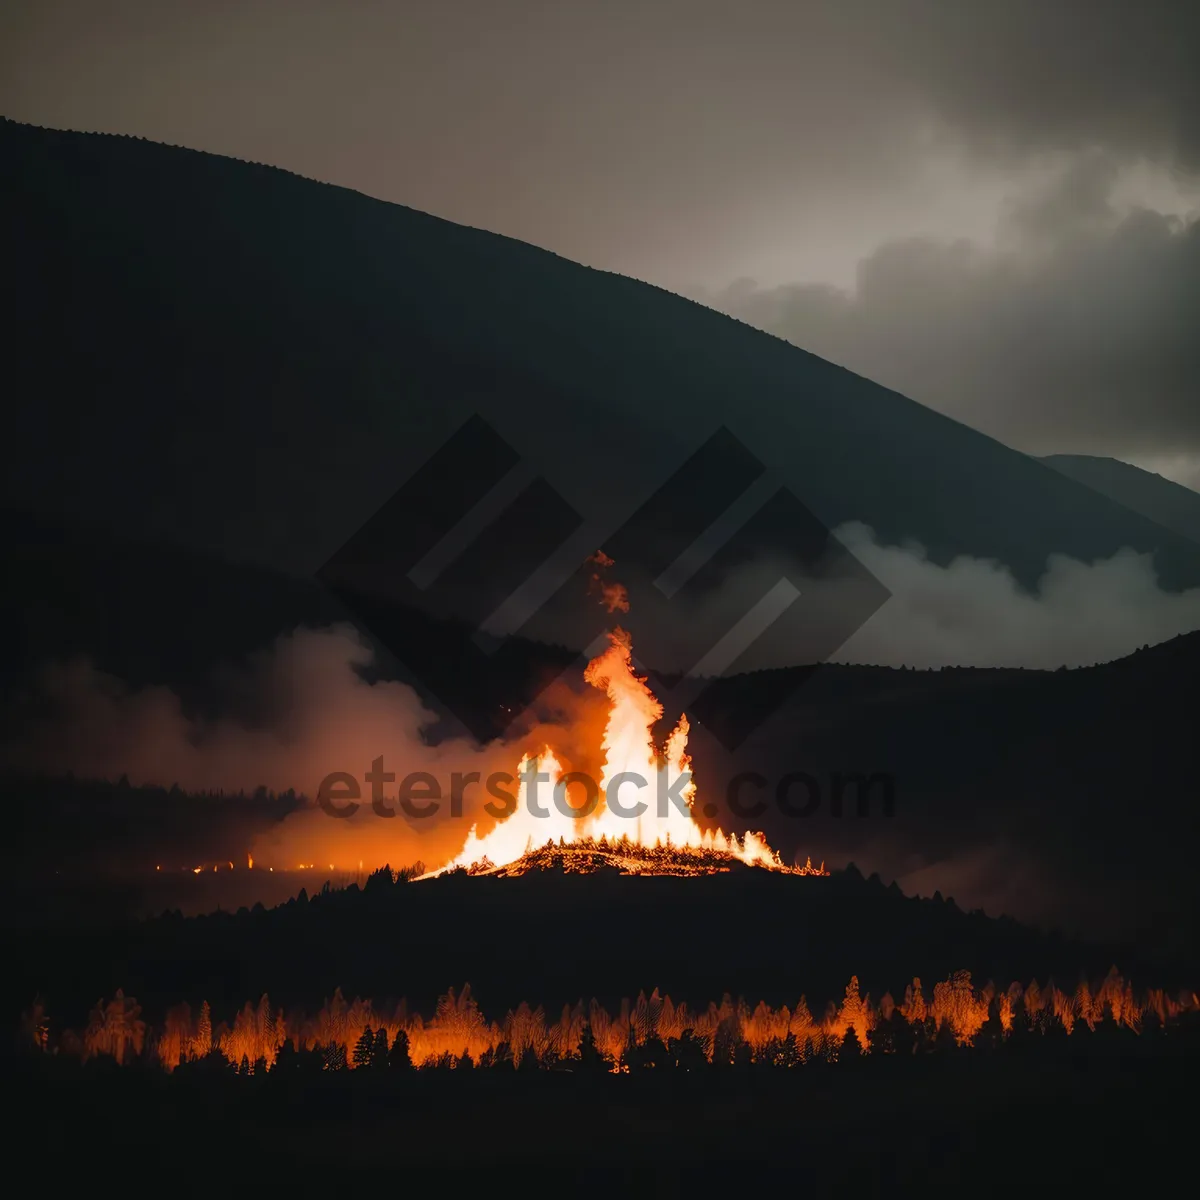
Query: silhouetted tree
[881, 1035]
[379, 1049]
[590, 1058]
[379, 884]
[991, 1035]
[725, 1044]
[311, 1062]
[285, 1060]
[398, 1056]
[924, 1035]
[687, 1052]
[213, 1063]
[1108, 1037]
[1150, 1033]
[1054, 1036]
[363, 1049]
[790, 1052]
[851, 1049]
[944, 1040]
[643, 1055]
[902, 1034]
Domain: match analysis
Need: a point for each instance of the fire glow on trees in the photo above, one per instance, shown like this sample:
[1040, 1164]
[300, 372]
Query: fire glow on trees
[631, 758]
[956, 1013]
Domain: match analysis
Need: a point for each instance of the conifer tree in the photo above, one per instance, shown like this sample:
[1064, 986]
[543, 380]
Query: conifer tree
[398, 1056]
[944, 1040]
[363, 1049]
[851, 1049]
[790, 1052]
[590, 1058]
[379, 1048]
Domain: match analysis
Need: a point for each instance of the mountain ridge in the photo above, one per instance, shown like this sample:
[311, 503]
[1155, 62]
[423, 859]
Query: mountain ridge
[1164, 501]
[257, 294]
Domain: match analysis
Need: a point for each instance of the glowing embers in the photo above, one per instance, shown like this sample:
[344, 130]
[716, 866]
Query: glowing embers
[590, 855]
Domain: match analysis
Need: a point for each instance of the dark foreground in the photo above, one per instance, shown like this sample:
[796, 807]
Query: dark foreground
[987, 1123]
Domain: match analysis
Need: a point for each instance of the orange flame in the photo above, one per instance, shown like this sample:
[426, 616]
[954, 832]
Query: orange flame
[665, 796]
[959, 1011]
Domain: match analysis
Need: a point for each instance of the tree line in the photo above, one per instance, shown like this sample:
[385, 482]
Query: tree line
[651, 1031]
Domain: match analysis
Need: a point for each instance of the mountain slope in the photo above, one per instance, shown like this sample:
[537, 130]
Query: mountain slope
[1163, 501]
[1053, 795]
[227, 354]
[551, 938]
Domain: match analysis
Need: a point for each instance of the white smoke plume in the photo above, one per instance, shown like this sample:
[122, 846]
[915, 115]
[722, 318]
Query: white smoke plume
[973, 612]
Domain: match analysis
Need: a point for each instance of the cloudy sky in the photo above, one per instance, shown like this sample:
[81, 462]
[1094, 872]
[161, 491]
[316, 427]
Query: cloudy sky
[988, 206]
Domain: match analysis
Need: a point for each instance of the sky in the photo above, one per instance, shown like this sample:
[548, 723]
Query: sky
[991, 208]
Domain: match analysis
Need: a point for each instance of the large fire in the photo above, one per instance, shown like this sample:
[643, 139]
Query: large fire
[666, 822]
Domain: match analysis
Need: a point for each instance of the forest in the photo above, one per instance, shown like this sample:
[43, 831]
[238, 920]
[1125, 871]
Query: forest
[652, 1032]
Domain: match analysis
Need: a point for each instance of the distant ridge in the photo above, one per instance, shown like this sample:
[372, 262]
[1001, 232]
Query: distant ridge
[1164, 501]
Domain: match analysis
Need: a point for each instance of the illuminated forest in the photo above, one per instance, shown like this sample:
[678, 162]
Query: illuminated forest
[651, 1032]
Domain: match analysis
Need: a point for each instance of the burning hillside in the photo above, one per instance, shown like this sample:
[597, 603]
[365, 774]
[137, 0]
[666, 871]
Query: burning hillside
[588, 856]
[660, 836]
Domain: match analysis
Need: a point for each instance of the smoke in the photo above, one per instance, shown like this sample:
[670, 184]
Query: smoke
[970, 612]
[296, 713]
[303, 708]
[973, 611]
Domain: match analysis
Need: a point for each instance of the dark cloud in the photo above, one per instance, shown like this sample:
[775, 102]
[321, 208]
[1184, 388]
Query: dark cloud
[691, 141]
[1076, 333]
[1028, 75]
[657, 137]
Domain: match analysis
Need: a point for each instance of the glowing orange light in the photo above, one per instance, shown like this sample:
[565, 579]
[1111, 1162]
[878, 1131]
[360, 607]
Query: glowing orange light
[630, 750]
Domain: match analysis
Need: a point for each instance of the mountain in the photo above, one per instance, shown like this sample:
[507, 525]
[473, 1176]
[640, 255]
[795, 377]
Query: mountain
[1028, 792]
[549, 938]
[1163, 501]
[224, 354]
[233, 367]
[1055, 796]
[124, 602]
